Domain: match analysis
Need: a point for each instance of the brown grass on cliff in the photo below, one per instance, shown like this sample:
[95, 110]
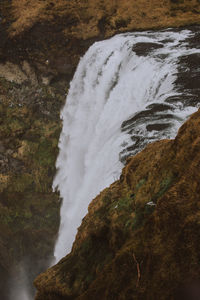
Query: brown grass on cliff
[86, 19]
[140, 238]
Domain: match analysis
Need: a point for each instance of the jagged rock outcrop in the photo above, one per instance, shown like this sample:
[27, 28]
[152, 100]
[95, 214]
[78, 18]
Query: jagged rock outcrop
[41, 43]
[140, 238]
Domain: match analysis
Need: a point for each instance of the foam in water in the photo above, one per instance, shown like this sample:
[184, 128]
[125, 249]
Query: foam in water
[110, 85]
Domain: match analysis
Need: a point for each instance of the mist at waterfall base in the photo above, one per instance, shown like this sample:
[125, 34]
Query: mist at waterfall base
[124, 94]
[20, 287]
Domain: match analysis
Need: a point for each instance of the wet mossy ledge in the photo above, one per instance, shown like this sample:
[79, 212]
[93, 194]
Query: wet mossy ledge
[140, 238]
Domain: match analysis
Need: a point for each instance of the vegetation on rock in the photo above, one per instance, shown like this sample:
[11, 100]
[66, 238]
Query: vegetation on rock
[29, 211]
[140, 238]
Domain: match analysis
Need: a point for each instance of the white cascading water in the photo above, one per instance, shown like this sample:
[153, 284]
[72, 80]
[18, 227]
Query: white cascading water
[110, 85]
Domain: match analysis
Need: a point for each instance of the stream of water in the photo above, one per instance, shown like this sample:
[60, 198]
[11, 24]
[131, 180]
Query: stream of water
[127, 91]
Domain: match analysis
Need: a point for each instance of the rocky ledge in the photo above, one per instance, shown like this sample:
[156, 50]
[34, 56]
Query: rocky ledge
[140, 238]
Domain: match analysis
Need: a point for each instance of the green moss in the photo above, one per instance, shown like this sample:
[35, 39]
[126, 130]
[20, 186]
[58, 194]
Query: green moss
[7, 85]
[164, 186]
[45, 155]
[140, 184]
[123, 204]
[21, 182]
[142, 213]
[30, 211]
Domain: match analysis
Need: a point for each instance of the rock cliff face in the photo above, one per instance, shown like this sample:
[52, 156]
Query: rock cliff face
[140, 238]
[41, 43]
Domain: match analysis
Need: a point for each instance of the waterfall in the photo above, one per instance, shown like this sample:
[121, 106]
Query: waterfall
[123, 96]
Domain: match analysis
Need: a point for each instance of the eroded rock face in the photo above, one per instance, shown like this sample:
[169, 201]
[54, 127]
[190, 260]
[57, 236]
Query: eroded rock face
[140, 239]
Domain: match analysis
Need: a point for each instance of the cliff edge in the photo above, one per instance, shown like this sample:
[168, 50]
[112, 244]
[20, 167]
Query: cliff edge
[140, 238]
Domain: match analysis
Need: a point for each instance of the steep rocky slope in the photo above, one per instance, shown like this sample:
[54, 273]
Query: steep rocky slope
[140, 238]
[40, 46]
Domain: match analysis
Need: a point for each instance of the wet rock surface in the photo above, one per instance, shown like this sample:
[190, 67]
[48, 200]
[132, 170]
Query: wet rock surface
[144, 49]
[158, 117]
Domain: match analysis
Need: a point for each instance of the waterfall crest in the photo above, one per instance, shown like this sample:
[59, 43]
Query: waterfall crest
[121, 97]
